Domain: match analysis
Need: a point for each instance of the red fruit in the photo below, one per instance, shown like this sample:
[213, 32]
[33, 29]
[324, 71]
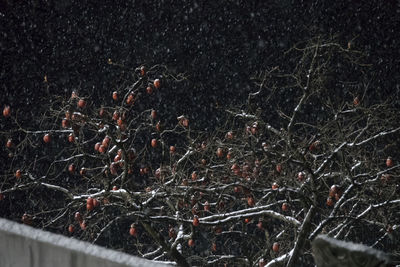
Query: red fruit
[172, 149]
[132, 230]
[115, 95]
[47, 138]
[83, 225]
[193, 200]
[314, 146]
[203, 145]
[218, 229]
[72, 168]
[235, 167]
[153, 114]
[206, 206]
[191, 242]
[203, 161]
[71, 138]
[196, 221]
[142, 70]
[275, 186]
[246, 167]
[6, 111]
[18, 174]
[9, 143]
[65, 123]
[27, 219]
[220, 152]
[171, 232]
[237, 189]
[81, 103]
[285, 206]
[71, 228]
[261, 263]
[96, 203]
[74, 94]
[101, 112]
[131, 154]
[229, 155]
[279, 167]
[78, 216]
[185, 122]
[123, 129]
[115, 188]
[385, 178]
[130, 100]
[247, 220]
[250, 201]
[158, 127]
[237, 172]
[113, 168]
[301, 176]
[389, 162]
[76, 116]
[82, 172]
[117, 158]
[102, 149]
[260, 225]
[115, 115]
[194, 176]
[195, 209]
[97, 146]
[89, 207]
[149, 90]
[154, 143]
[329, 201]
[311, 147]
[106, 141]
[229, 135]
[157, 173]
[275, 247]
[89, 200]
[333, 190]
[157, 83]
[265, 146]
[120, 122]
[356, 101]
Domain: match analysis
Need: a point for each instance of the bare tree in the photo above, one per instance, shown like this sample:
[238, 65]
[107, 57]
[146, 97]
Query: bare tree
[310, 152]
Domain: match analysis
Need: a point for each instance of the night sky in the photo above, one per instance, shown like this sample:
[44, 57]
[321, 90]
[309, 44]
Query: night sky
[218, 45]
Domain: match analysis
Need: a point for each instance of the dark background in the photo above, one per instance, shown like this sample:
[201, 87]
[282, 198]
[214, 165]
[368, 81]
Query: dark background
[219, 45]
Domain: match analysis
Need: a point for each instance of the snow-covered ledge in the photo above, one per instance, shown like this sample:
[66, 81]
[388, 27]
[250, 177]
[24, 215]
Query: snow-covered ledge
[21, 245]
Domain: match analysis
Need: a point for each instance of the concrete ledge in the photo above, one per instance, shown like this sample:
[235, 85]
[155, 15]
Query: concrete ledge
[330, 252]
[22, 245]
